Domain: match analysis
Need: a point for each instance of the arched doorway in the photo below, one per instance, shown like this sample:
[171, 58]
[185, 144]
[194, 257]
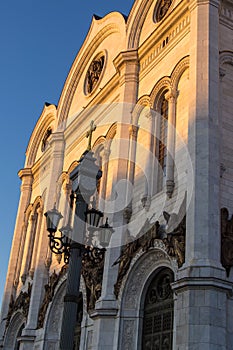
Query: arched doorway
[157, 331]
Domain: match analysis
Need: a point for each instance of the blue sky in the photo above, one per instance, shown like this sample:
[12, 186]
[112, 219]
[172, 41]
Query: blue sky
[38, 42]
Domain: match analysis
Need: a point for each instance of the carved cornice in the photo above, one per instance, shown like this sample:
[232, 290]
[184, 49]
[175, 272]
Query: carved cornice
[151, 51]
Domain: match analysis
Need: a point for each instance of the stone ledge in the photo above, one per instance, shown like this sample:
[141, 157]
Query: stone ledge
[103, 313]
[207, 282]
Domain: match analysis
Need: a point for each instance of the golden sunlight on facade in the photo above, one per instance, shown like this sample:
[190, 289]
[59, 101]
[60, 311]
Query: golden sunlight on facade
[142, 139]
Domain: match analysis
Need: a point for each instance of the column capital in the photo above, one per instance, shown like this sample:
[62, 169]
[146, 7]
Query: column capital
[23, 173]
[126, 57]
[171, 95]
[133, 130]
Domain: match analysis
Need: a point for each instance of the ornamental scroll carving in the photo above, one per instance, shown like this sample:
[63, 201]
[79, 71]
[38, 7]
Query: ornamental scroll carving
[93, 74]
[173, 239]
[226, 240]
[22, 303]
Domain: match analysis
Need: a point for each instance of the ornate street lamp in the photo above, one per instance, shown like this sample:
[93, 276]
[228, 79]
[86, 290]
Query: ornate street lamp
[84, 180]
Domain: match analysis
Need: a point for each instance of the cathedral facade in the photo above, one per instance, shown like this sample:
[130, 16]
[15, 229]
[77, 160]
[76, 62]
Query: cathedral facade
[156, 87]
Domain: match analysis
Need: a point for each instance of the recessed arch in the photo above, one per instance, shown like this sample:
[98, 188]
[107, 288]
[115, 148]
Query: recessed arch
[144, 101]
[14, 329]
[53, 317]
[179, 69]
[133, 292]
[158, 91]
[47, 120]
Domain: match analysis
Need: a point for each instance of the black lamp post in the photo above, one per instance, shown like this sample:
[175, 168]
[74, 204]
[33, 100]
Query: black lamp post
[84, 180]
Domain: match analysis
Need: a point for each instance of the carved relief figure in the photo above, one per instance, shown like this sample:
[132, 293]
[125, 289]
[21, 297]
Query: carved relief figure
[173, 238]
[92, 272]
[226, 240]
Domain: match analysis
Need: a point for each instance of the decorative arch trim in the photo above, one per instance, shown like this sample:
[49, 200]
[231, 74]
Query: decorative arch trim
[82, 59]
[135, 22]
[144, 101]
[159, 89]
[72, 166]
[47, 118]
[179, 69]
[133, 292]
[17, 321]
[225, 57]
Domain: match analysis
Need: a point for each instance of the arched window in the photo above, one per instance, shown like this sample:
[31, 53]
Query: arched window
[159, 313]
[162, 143]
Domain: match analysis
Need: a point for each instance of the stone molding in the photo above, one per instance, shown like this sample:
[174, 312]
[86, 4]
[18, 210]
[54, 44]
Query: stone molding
[80, 64]
[17, 321]
[143, 267]
[46, 120]
[168, 39]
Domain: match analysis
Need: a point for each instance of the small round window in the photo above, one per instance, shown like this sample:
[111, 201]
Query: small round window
[93, 74]
[161, 9]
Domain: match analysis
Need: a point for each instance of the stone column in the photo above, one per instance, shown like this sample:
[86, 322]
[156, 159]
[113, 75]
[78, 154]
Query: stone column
[148, 191]
[133, 132]
[201, 285]
[55, 166]
[127, 66]
[39, 214]
[171, 139]
[104, 179]
[28, 247]
[15, 257]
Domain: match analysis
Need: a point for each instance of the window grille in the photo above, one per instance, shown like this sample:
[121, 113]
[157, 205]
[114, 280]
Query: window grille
[159, 313]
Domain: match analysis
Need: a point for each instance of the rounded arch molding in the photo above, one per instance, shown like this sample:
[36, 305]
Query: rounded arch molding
[225, 57]
[133, 292]
[107, 137]
[53, 318]
[80, 64]
[16, 323]
[169, 83]
[46, 120]
[137, 16]
[143, 102]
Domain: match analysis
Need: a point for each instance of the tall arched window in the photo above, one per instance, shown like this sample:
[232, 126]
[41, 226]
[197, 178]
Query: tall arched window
[159, 313]
[162, 143]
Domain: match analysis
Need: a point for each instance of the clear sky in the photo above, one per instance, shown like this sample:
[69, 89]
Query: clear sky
[38, 43]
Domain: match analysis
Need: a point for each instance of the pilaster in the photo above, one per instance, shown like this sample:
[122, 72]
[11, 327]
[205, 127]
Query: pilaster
[171, 138]
[55, 163]
[26, 189]
[201, 288]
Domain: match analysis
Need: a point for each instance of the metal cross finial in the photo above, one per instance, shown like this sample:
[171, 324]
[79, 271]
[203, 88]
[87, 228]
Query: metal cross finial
[89, 134]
